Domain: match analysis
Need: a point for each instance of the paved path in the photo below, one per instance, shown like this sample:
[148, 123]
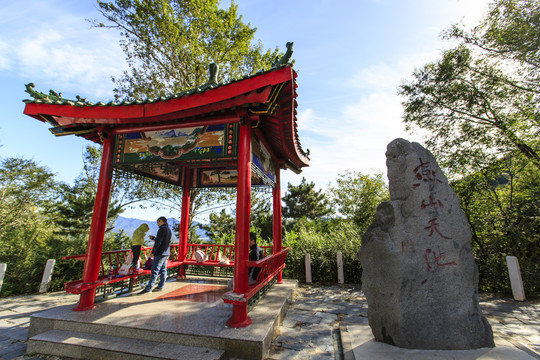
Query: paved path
[310, 330]
[15, 319]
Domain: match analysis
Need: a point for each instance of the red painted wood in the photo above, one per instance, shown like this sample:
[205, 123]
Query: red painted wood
[239, 316]
[206, 102]
[270, 267]
[280, 130]
[115, 114]
[218, 120]
[118, 257]
[97, 227]
[184, 220]
[276, 219]
[258, 96]
[174, 115]
[68, 114]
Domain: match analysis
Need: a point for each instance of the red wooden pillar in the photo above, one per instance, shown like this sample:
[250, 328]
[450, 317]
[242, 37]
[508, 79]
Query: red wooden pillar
[97, 228]
[239, 316]
[277, 219]
[184, 220]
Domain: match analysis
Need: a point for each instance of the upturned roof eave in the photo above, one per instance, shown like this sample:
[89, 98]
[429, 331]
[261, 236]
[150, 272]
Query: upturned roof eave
[241, 93]
[116, 114]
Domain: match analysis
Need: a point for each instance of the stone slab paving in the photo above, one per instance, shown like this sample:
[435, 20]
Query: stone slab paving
[327, 322]
[15, 319]
[311, 328]
[315, 326]
[518, 322]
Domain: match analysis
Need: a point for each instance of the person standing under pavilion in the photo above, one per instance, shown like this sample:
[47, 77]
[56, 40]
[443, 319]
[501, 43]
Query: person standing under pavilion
[160, 252]
[137, 243]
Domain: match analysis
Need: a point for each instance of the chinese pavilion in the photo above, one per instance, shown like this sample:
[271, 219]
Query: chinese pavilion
[239, 134]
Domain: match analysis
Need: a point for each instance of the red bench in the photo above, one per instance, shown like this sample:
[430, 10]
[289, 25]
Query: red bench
[119, 257]
[108, 259]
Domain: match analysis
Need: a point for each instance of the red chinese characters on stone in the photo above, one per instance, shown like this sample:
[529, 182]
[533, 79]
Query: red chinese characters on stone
[406, 244]
[431, 203]
[434, 227]
[424, 173]
[434, 260]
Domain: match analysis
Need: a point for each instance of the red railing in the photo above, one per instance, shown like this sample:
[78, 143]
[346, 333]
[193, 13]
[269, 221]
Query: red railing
[270, 267]
[113, 258]
[119, 257]
[213, 251]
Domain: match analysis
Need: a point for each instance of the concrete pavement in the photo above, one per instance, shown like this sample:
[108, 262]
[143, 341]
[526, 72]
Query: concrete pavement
[322, 322]
[325, 322]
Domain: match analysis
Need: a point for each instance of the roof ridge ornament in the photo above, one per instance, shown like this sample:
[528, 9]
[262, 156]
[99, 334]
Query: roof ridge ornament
[286, 58]
[37, 95]
[213, 71]
[52, 98]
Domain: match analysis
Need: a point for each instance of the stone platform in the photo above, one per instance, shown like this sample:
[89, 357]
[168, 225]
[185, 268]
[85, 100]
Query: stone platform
[322, 322]
[364, 346]
[184, 321]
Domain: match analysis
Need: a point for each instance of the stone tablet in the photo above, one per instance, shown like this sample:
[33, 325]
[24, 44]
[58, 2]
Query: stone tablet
[419, 274]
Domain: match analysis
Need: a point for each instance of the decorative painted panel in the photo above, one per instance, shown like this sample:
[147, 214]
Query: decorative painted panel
[181, 144]
[223, 178]
[262, 161]
[166, 172]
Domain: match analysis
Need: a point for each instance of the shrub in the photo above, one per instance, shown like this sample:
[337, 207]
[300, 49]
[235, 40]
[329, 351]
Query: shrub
[323, 239]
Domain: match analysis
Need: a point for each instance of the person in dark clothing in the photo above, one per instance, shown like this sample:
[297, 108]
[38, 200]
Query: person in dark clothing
[255, 254]
[160, 252]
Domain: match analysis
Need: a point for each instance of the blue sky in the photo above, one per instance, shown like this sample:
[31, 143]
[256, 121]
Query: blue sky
[350, 57]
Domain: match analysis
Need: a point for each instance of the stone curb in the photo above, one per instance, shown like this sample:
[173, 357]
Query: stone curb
[346, 343]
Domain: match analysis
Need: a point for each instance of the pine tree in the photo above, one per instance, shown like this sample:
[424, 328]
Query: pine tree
[304, 201]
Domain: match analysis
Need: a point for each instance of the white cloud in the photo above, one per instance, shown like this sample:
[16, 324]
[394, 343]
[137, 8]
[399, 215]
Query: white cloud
[4, 59]
[306, 119]
[356, 137]
[50, 46]
[380, 76]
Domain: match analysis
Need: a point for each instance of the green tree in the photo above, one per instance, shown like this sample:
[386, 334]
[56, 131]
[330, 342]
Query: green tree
[170, 43]
[479, 102]
[24, 187]
[125, 191]
[262, 215]
[323, 240]
[27, 191]
[479, 105]
[220, 228]
[304, 201]
[357, 196]
[502, 205]
[76, 204]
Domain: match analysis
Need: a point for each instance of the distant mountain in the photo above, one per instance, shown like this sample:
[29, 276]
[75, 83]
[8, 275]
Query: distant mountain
[129, 225]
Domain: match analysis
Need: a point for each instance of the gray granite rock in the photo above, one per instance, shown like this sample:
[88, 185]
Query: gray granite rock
[419, 274]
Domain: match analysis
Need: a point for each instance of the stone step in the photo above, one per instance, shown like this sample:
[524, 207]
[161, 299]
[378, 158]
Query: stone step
[81, 345]
[238, 347]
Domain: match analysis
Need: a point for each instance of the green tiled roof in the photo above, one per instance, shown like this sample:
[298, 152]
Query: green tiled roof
[57, 99]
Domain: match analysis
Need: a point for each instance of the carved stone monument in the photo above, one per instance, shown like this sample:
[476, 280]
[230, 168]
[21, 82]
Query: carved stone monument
[419, 274]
